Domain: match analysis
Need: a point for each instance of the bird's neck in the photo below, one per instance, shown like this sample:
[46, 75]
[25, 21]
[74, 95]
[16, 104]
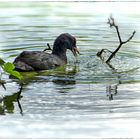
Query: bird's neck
[60, 52]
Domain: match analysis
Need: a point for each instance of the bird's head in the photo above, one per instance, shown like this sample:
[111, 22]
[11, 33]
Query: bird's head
[63, 42]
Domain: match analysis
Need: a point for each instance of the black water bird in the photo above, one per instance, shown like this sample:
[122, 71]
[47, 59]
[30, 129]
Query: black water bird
[40, 60]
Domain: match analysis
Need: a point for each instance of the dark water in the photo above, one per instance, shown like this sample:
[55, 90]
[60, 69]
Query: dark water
[87, 99]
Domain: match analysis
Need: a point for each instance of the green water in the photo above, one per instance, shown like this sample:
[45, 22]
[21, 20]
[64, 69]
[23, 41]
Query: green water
[84, 99]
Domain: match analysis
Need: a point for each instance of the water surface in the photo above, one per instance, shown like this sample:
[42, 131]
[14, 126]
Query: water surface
[84, 99]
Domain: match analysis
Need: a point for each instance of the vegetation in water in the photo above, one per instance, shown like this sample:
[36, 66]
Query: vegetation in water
[112, 23]
[10, 69]
[7, 67]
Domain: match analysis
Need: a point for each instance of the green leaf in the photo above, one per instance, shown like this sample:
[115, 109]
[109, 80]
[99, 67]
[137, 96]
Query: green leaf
[16, 74]
[7, 67]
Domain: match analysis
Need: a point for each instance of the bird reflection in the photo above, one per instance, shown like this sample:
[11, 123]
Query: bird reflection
[66, 82]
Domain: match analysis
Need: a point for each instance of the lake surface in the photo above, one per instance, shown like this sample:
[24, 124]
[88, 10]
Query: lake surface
[86, 98]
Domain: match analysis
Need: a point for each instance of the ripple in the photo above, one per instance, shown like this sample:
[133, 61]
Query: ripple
[87, 98]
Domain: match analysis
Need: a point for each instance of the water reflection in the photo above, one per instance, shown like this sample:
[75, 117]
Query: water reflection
[7, 103]
[63, 78]
[64, 85]
[66, 82]
[2, 83]
[111, 89]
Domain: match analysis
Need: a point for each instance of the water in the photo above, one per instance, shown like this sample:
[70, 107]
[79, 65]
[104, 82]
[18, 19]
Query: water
[87, 99]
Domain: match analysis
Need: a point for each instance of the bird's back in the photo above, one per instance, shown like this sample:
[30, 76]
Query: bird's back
[37, 60]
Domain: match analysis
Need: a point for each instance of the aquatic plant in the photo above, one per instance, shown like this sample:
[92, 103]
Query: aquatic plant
[7, 67]
[10, 69]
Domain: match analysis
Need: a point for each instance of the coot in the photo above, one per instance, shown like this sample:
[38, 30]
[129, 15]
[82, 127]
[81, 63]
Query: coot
[40, 60]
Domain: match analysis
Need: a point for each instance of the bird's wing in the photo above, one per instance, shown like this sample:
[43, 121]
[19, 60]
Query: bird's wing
[33, 59]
